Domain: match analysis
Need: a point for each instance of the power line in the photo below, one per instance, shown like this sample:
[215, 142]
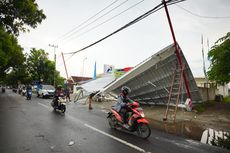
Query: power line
[96, 19]
[66, 34]
[106, 22]
[109, 19]
[156, 8]
[203, 16]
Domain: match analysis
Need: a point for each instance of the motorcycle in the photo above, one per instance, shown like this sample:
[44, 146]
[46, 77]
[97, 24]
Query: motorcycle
[14, 90]
[61, 104]
[29, 94]
[136, 120]
[3, 90]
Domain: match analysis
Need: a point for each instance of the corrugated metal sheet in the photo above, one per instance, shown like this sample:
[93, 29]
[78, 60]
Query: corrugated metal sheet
[150, 81]
[99, 83]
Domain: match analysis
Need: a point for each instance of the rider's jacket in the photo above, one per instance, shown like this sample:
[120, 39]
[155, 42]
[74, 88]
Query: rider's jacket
[122, 100]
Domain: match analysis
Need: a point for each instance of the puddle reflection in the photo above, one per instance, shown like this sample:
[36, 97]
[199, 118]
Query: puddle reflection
[191, 130]
[209, 134]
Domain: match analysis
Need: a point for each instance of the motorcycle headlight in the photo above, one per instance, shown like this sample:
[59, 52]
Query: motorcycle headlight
[142, 114]
[140, 110]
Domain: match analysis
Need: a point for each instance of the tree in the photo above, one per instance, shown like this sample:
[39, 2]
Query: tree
[59, 80]
[19, 75]
[39, 65]
[16, 15]
[219, 56]
[41, 68]
[11, 55]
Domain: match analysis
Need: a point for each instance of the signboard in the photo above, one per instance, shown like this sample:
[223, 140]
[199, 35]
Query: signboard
[108, 69]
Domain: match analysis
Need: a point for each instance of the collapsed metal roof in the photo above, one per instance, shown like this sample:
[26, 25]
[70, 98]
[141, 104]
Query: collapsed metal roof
[150, 81]
[99, 83]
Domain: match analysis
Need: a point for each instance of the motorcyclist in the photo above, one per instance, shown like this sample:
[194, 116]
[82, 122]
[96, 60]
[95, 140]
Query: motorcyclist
[28, 89]
[58, 93]
[122, 102]
[3, 89]
[23, 91]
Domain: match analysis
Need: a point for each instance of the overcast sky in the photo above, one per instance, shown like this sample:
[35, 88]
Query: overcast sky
[132, 45]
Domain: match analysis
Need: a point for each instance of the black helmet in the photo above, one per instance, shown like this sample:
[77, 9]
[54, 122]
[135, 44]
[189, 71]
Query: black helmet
[59, 87]
[125, 90]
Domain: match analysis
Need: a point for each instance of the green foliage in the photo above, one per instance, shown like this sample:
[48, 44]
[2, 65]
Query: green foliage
[219, 56]
[11, 55]
[59, 80]
[15, 15]
[19, 75]
[39, 66]
[222, 142]
[227, 99]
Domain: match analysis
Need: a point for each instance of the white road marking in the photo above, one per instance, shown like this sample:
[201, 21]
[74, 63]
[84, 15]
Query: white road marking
[106, 134]
[44, 105]
[117, 139]
[104, 111]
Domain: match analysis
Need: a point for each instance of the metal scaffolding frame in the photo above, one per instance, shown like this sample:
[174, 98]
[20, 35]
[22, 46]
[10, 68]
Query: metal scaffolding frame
[150, 81]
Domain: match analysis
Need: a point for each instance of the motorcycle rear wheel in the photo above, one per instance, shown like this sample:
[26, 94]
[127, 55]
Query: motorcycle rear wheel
[143, 130]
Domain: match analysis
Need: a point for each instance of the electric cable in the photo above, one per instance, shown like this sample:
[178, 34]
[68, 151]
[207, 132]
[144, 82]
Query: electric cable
[109, 19]
[203, 16]
[64, 35]
[155, 9]
[106, 13]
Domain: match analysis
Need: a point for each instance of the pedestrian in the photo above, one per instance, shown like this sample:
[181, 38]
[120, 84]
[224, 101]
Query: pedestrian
[67, 94]
[90, 99]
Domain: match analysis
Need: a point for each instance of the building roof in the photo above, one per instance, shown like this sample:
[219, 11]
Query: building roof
[77, 79]
[150, 81]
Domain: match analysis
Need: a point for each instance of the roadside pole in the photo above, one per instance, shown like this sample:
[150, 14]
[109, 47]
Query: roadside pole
[54, 46]
[176, 48]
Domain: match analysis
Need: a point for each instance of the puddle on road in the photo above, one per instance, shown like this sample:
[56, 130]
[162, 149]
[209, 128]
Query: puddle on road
[190, 130]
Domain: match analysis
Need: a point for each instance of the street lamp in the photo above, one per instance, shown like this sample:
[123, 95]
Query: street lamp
[83, 68]
[54, 46]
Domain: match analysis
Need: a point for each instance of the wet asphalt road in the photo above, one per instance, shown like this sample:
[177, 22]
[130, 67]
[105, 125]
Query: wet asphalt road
[33, 127]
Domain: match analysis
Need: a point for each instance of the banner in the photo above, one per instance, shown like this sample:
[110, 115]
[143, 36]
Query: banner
[119, 72]
[108, 68]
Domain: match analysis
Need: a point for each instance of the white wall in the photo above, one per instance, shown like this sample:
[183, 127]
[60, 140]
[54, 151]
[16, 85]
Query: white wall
[223, 90]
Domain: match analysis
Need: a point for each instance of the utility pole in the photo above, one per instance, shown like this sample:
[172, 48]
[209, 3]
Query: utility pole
[54, 46]
[206, 76]
[65, 66]
[177, 50]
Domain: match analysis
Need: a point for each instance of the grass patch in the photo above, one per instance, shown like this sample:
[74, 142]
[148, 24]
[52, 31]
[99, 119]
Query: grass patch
[227, 99]
[203, 106]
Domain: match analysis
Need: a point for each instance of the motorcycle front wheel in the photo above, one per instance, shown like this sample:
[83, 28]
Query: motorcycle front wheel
[63, 108]
[112, 122]
[143, 130]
